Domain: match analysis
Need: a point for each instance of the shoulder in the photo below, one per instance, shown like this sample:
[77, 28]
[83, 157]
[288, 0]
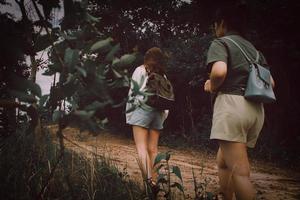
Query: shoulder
[217, 43]
[216, 52]
[140, 69]
[139, 73]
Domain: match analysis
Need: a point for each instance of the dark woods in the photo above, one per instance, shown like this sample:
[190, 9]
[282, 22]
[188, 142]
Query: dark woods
[184, 31]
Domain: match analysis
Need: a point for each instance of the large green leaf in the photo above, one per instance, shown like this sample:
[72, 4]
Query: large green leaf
[116, 73]
[43, 41]
[177, 172]
[57, 115]
[91, 18]
[162, 156]
[95, 105]
[71, 58]
[102, 45]
[110, 56]
[125, 61]
[84, 115]
[81, 71]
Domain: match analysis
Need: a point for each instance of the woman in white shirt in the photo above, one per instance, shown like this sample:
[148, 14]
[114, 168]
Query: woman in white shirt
[146, 121]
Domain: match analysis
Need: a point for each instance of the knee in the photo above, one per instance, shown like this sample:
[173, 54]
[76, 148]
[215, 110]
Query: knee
[152, 150]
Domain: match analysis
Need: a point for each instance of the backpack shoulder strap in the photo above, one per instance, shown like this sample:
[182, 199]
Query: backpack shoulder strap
[257, 57]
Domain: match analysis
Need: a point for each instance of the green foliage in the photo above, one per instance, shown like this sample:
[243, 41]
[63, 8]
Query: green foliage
[200, 187]
[87, 81]
[57, 115]
[124, 61]
[23, 96]
[178, 185]
[91, 72]
[102, 45]
[91, 18]
[162, 157]
[165, 174]
[21, 84]
[110, 56]
[71, 58]
[177, 172]
[44, 41]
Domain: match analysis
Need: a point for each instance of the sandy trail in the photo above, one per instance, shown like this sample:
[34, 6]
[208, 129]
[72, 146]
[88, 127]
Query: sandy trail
[272, 183]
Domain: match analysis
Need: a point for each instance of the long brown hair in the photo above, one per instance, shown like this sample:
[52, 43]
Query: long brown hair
[155, 60]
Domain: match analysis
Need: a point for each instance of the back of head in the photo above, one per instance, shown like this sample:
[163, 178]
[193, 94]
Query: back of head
[234, 14]
[155, 60]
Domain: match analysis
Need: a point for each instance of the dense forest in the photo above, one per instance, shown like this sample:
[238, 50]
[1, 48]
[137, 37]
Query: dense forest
[184, 31]
[91, 56]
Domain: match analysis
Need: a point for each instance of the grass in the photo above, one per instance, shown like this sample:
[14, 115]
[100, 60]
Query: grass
[26, 162]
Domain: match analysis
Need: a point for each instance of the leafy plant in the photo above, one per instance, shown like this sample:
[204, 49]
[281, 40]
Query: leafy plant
[200, 187]
[165, 172]
[90, 70]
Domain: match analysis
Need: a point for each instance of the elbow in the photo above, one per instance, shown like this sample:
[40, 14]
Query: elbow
[220, 75]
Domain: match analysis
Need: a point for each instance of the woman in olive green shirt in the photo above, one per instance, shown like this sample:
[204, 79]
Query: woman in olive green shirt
[237, 122]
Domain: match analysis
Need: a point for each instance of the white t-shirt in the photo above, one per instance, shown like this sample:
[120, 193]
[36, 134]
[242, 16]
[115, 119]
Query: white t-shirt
[140, 76]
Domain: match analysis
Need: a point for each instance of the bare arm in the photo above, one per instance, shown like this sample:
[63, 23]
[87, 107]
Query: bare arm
[217, 76]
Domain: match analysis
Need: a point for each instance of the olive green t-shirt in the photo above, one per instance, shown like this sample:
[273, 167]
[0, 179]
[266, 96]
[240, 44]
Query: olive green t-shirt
[237, 66]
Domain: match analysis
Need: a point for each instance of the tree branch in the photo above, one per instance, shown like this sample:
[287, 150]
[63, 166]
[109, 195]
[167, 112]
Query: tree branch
[23, 9]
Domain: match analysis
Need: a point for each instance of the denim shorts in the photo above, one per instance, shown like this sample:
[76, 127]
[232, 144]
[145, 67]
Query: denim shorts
[148, 119]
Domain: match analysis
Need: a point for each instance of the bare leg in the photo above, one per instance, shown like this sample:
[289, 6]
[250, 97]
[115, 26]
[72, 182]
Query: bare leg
[236, 160]
[225, 177]
[140, 135]
[153, 148]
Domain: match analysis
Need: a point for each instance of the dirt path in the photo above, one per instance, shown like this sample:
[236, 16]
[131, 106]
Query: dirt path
[271, 183]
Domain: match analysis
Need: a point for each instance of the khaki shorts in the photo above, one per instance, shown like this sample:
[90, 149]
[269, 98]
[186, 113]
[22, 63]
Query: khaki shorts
[237, 119]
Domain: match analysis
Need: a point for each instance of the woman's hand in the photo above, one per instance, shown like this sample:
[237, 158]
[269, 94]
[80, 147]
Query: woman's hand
[207, 86]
